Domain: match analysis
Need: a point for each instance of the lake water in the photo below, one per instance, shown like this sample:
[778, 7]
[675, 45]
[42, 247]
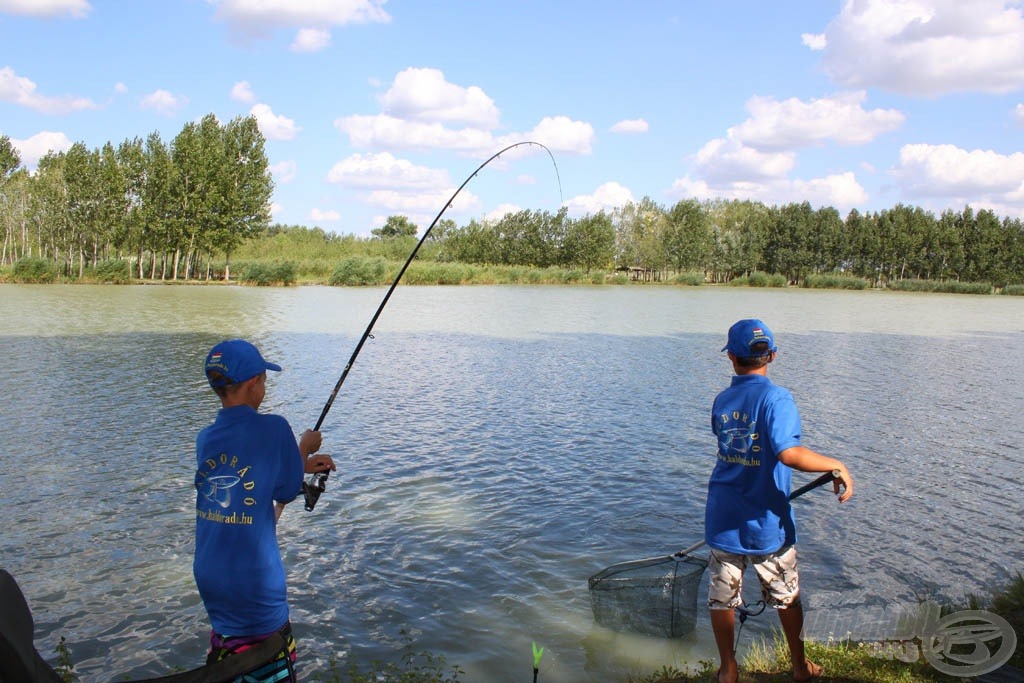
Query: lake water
[496, 446]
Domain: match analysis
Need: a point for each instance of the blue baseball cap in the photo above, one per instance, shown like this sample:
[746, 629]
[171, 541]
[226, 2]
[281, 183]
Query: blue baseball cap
[744, 334]
[236, 360]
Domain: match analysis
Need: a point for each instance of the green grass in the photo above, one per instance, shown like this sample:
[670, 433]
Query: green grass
[768, 662]
[835, 282]
[265, 274]
[690, 279]
[65, 667]
[34, 270]
[943, 286]
[759, 279]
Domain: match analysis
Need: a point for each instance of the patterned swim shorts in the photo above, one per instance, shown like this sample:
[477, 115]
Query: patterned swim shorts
[780, 584]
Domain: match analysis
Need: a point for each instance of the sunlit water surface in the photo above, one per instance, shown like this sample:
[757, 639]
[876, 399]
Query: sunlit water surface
[497, 446]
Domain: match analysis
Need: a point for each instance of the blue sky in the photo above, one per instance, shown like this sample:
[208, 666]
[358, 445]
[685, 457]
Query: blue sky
[372, 108]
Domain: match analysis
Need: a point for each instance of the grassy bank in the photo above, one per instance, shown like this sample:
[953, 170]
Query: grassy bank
[848, 662]
[766, 661]
[358, 270]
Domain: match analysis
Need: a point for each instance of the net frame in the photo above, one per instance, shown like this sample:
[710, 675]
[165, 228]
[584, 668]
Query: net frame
[655, 596]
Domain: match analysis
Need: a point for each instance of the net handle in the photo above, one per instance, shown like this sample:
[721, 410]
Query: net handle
[820, 481]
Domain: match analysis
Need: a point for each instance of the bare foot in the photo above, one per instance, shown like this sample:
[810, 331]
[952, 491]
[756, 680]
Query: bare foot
[734, 678]
[809, 673]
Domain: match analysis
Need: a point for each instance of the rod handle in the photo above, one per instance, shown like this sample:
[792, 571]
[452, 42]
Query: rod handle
[820, 481]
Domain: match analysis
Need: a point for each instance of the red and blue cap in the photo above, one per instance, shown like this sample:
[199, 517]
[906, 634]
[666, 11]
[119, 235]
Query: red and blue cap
[750, 338]
[236, 360]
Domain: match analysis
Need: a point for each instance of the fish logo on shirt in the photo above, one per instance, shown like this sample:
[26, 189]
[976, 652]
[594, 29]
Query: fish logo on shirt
[218, 489]
[736, 440]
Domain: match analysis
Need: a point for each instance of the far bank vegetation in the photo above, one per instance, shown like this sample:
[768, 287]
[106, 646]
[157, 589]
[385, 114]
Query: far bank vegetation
[198, 209]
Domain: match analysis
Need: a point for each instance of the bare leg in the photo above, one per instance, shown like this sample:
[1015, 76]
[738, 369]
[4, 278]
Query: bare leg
[723, 624]
[792, 619]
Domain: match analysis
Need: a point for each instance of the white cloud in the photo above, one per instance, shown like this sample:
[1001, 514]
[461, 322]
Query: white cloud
[500, 212]
[560, 134]
[32, 149]
[276, 208]
[284, 171]
[311, 40]
[417, 205]
[727, 160]
[687, 188]
[272, 126]
[257, 18]
[607, 197]
[420, 103]
[840, 191]
[950, 171]
[242, 92]
[22, 91]
[46, 9]
[163, 102]
[120, 88]
[328, 215]
[630, 126]
[927, 47]
[388, 132]
[815, 41]
[840, 118]
[385, 171]
[1018, 114]
[755, 159]
[425, 95]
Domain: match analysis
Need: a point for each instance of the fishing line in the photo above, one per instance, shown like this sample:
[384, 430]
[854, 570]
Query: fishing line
[316, 485]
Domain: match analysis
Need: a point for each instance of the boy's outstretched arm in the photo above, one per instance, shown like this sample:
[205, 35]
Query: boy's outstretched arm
[804, 459]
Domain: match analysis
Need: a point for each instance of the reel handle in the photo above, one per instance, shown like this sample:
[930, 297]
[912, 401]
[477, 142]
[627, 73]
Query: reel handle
[312, 489]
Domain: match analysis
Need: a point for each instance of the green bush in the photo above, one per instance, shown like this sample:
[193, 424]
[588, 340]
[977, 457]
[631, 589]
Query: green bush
[115, 271]
[264, 274]
[940, 286]
[435, 273]
[1014, 290]
[759, 279]
[34, 270]
[835, 282]
[691, 279]
[359, 271]
[1008, 602]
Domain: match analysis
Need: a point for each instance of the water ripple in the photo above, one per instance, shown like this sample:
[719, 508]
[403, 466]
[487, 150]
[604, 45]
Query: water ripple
[495, 447]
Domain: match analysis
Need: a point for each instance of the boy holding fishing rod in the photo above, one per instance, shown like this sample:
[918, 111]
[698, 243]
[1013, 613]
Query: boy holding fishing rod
[748, 518]
[249, 466]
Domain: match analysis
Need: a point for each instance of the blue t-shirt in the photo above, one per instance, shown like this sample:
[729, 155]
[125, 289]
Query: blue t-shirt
[748, 510]
[245, 462]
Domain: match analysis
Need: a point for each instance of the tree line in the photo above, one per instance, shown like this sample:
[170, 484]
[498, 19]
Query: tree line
[166, 208]
[180, 210]
[726, 239]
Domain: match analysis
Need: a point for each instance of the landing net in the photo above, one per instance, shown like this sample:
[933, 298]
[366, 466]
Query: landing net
[655, 596]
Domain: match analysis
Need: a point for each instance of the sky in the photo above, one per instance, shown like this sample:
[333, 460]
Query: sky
[373, 108]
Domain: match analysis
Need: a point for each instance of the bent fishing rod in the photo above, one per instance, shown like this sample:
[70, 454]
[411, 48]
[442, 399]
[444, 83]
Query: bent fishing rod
[317, 484]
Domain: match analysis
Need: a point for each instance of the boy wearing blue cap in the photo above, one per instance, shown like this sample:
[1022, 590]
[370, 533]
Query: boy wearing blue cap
[249, 467]
[748, 518]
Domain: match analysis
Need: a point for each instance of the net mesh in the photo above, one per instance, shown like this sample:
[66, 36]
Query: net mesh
[656, 596]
